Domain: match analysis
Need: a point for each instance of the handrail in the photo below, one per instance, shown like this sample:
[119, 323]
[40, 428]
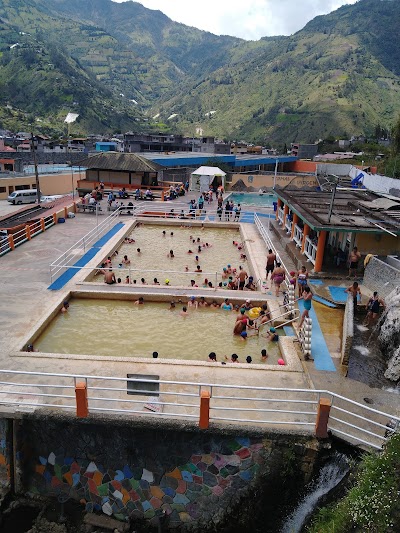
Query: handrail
[357, 423]
[268, 241]
[292, 312]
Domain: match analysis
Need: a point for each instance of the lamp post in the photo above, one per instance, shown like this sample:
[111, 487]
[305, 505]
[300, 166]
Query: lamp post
[36, 168]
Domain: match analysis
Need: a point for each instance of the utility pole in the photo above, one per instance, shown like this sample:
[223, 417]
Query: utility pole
[335, 184]
[36, 168]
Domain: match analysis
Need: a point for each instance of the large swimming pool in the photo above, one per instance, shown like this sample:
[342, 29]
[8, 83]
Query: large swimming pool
[121, 329]
[154, 261]
[253, 199]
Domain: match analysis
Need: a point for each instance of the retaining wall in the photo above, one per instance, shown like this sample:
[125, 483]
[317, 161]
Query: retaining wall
[135, 469]
[381, 277]
[44, 158]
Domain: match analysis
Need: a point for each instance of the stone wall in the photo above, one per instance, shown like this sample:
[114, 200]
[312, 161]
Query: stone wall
[348, 330]
[134, 469]
[381, 277]
[44, 158]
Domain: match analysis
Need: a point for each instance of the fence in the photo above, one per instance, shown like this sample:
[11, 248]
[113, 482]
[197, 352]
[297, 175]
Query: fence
[318, 411]
[12, 240]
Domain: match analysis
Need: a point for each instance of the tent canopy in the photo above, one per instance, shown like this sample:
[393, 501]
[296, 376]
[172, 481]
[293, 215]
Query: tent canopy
[204, 177]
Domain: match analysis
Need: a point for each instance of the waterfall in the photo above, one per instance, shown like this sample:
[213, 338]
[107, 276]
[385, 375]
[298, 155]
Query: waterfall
[330, 475]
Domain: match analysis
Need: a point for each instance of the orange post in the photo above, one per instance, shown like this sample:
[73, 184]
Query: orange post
[82, 408]
[55, 218]
[319, 259]
[28, 232]
[321, 425]
[11, 241]
[295, 220]
[42, 224]
[204, 421]
[306, 233]
[74, 207]
[285, 214]
[162, 195]
[65, 211]
[279, 204]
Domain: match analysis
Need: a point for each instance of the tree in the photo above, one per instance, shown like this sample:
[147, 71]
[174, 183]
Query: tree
[396, 138]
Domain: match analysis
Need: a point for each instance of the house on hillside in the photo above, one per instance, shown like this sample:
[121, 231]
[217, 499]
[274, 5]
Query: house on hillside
[318, 225]
[117, 170]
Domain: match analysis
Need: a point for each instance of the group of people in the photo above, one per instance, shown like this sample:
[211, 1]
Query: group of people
[373, 304]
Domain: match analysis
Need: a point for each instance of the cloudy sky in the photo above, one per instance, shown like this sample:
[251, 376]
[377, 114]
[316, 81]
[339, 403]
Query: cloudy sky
[249, 19]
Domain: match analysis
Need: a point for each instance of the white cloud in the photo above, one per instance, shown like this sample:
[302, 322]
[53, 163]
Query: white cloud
[249, 19]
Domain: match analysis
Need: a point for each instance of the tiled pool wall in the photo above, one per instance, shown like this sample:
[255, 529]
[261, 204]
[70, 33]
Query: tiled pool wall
[286, 344]
[135, 469]
[115, 243]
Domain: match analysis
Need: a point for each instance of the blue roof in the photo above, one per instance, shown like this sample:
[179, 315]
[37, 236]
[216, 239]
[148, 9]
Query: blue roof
[198, 159]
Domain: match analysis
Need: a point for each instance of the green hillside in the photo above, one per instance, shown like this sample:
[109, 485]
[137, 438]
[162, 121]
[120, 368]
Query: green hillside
[335, 77]
[113, 62]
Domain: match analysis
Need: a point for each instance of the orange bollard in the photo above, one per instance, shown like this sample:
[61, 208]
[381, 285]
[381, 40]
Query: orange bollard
[321, 425]
[204, 421]
[82, 408]
[74, 207]
[55, 218]
[28, 232]
[42, 224]
[65, 212]
[11, 241]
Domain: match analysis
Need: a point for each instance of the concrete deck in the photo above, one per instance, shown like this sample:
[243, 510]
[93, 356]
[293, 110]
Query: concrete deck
[25, 298]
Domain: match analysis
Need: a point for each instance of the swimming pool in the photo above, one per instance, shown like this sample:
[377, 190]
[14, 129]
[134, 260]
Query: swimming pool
[153, 261]
[253, 199]
[121, 329]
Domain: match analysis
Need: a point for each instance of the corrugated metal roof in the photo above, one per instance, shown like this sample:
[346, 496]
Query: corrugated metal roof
[120, 161]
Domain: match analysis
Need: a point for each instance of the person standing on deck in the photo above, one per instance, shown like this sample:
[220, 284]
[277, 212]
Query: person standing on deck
[354, 290]
[354, 258]
[271, 259]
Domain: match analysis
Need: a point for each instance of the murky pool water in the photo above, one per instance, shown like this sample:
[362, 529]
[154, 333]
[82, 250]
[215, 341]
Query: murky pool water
[122, 329]
[179, 270]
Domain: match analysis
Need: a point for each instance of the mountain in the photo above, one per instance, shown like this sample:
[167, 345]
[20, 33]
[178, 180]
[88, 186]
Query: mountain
[339, 75]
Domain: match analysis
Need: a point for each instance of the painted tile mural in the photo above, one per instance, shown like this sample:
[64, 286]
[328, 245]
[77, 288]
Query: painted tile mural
[4, 456]
[183, 492]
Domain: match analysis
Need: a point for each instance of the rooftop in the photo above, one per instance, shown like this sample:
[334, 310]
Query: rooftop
[353, 210]
[120, 161]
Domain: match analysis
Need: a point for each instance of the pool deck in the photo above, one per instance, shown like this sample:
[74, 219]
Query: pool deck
[25, 298]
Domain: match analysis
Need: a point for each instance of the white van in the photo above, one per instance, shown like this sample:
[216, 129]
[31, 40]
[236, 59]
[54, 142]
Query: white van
[25, 196]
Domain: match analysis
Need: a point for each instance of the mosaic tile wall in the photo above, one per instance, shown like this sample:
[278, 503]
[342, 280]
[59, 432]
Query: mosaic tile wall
[4, 456]
[185, 475]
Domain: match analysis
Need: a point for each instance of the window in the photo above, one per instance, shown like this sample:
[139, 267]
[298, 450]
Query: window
[3, 189]
[22, 187]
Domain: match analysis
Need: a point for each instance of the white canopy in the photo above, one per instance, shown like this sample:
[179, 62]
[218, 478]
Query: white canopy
[203, 177]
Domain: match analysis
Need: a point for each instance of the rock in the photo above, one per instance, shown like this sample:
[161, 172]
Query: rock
[389, 336]
[393, 370]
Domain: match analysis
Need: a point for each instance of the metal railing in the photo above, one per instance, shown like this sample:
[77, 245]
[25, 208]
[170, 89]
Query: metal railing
[12, 240]
[240, 404]
[292, 314]
[281, 215]
[310, 250]
[288, 225]
[298, 236]
[268, 241]
[65, 260]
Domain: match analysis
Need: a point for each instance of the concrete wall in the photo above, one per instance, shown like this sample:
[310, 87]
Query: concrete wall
[131, 468]
[381, 277]
[258, 181]
[348, 330]
[49, 184]
[43, 158]
[377, 243]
